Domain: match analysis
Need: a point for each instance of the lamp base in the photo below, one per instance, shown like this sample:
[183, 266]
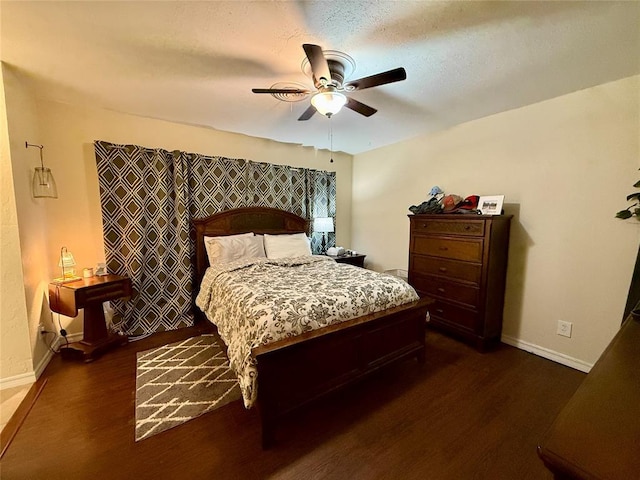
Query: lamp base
[66, 279]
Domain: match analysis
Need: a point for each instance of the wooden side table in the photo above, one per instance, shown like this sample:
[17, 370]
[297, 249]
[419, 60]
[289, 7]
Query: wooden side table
[357, 260]
[89, 293]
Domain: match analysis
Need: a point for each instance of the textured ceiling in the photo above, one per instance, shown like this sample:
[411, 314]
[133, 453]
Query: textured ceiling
[196, 62]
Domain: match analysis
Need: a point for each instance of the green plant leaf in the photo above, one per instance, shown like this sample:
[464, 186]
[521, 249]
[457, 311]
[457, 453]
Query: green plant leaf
[624, 214]
[635, 196]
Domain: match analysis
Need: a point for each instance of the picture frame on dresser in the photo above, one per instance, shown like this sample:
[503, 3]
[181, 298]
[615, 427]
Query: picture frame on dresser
[490, 204]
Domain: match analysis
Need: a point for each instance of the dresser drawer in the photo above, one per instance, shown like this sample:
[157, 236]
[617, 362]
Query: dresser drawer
[457, 249]
[449, 227]
[461, 317]
[447, 289]
[467, 272]
[103, 292]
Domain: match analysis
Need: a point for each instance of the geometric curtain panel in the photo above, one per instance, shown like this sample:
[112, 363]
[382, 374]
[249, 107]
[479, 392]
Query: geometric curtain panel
[321, 195]
[149, 198]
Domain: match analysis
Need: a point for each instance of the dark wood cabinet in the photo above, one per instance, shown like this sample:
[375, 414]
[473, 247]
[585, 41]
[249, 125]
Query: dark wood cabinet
[461, 262]
[357, 260]
[89, 293]
[596, 435]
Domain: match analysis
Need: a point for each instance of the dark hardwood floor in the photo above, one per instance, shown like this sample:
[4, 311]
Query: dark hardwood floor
[461, 415]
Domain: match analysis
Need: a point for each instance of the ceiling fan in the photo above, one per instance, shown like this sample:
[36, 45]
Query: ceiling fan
[328, 70]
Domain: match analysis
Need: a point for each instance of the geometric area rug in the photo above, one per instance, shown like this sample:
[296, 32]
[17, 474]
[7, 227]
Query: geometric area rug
[181, 381]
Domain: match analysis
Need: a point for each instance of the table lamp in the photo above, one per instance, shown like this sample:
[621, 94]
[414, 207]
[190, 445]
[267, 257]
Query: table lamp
[67, 262]
[323, 225]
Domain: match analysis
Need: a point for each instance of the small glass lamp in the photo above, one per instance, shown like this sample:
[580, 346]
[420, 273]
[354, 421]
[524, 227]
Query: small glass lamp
[323, 225]
[329, 101]
[67, 262]
[44, 185]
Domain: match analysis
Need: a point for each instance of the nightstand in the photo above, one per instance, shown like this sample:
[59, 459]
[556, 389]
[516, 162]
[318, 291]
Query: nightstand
[357, 260]
[89, 293]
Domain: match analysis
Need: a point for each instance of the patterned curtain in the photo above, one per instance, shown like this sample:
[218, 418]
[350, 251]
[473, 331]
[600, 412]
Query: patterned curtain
[321, 197]
[149, 198]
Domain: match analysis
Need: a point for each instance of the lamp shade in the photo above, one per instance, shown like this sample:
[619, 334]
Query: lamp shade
[323, 224]
[44, 185]
[66, 259]
[328, 102]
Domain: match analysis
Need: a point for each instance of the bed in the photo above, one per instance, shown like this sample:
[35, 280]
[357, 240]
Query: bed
[295, 370]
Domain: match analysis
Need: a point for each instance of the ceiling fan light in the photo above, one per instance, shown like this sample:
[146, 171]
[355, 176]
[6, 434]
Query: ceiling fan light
[328, 103]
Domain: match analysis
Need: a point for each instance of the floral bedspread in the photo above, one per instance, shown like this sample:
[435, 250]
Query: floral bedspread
[257, 301]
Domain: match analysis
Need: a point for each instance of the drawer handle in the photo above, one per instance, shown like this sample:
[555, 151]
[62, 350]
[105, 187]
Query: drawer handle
[442, 269]
[444, 249]
[439, 310]
[467, 227]
[441, 290]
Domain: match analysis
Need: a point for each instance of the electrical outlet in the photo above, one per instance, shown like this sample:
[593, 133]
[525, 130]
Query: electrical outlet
[564, 328]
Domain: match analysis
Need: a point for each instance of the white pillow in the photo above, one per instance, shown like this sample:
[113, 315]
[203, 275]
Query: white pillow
[220, 249]
[254, 247]
[287, 245]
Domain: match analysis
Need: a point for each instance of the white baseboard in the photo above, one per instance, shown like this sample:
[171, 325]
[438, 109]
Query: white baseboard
[31, 377]
[18, 380]
[42, 364]
[548, 354]
[74, 337]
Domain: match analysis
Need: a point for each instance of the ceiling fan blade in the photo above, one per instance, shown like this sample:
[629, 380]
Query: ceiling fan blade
[360, 107]
[308, 113]
[390, 76]
[318, 62]
[279, 90]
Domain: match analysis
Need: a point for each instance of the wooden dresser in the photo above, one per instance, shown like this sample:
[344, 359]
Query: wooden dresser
[461, 261]
[596, 435]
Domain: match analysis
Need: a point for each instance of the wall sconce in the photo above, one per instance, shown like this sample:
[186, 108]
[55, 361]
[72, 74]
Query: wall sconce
[44, 185]
[67, 262]
[323, 225]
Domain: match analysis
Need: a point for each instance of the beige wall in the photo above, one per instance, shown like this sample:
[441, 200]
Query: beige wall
[74, 219]
[565, 167]
[21, 269]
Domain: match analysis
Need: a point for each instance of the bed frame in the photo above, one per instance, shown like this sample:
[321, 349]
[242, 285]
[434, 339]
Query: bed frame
[295, 371]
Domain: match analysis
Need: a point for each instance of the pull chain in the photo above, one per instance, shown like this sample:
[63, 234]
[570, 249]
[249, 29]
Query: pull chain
[331, 139]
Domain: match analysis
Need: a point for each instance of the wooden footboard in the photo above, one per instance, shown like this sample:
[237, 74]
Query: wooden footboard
[296, 371]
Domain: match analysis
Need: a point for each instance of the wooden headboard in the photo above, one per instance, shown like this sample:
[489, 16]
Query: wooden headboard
[242, 220]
